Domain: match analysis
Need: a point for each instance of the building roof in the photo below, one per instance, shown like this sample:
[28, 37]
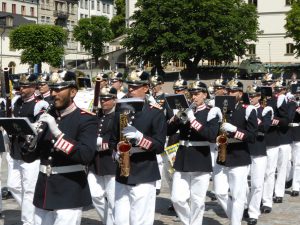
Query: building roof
[17, 19]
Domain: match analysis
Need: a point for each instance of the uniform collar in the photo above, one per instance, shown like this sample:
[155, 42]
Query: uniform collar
[68, 110]
[257, 105]
[47, 94]
[201, 107]
[32, 97]
[110, 111]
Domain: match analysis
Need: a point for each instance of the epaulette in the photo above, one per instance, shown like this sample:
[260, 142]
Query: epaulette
[155, 105]
[84, 111]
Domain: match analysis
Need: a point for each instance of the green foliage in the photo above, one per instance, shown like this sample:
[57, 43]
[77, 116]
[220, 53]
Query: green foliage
[117, 23]
[191, 30]
[292, 25]
[39, 43]
[92, 33]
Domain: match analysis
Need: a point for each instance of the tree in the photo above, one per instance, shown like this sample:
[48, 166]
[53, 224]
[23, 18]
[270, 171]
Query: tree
[292, 25]
[39, 43]
[92, 33]
[117, 23]
[191, 30]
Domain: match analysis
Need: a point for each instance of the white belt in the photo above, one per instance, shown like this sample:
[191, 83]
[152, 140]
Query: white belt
[193, 143]
[260, 134]
[233, 140]
[61, 169]
[134, 150]
[294, 124]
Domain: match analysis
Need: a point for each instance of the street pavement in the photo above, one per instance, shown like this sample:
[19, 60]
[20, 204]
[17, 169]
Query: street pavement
[286, 213]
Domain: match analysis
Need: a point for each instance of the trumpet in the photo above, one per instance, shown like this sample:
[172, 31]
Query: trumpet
[222, 139]
[182, 113]
[32, 139]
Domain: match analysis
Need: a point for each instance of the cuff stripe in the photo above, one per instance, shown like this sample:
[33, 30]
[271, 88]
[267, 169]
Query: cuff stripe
[196, 125]
[145, 143]
[239, 135]
[63, 145]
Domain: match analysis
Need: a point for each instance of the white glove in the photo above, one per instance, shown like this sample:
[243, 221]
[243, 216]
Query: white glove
[213, 113]
[268, 109]
[53, 127]
[190, 115]
[298, 110]
[130, 132]
[280, 100]
[151, 99]
[99, 141]
[39, 106]
[175, 111]
[228, 127]
[289, 96]
[116, 156]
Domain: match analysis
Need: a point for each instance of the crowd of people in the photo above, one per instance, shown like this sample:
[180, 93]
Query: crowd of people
[113, 155]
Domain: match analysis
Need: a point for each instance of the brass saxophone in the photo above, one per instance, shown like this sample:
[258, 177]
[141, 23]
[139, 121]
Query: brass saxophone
[222, 139]
[124, 147]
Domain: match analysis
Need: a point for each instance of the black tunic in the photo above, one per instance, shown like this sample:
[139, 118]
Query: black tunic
[103, 163]
[238, 153]
[195, 158]
[151, 123]
[66, 190]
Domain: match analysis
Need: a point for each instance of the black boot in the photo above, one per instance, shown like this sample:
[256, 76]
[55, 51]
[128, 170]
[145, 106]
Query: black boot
[295, 193]
[252, 221]
[245, 214]
[277, 200]
[265, 209]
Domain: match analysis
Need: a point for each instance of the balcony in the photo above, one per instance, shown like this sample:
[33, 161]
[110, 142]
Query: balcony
[63, 15]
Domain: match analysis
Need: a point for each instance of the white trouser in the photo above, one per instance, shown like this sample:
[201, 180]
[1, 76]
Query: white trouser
[276, 157]
[213, 153]
[258, 168]
[1, 154]
[101, 187]
[235, 179]
[160, 167]
[58, 217]
[296, 166]
[290, 168]
[188, 196]
[21, 181]
[135, 205]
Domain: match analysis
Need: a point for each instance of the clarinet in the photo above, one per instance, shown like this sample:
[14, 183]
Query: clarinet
[32, 140]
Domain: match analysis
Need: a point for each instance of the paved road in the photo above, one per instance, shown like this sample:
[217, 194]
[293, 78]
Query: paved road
[287, 213]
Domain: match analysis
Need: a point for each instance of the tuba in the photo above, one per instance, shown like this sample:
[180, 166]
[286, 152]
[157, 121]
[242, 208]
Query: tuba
[124, 147]
[222, 139]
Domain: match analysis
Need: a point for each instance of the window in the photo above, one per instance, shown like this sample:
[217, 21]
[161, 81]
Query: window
[108, 8]
[81, 16]
[104, 8]
[43, 19]
[86, 4]
[254, 2]
[3, 6]
[98, 5]
[47, 19]
[13, 9]
[23, 10]
[81, 4]
[289, 2]
[252, 49]
[289, 48]
[92, 5]
[31, 11]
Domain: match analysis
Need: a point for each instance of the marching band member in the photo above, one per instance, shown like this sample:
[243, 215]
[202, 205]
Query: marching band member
[278, 141]
[22, 176]
[135, 195]
[241, 129]
[116, 80]
[2, 148]
[102, 170]
[65, 146]
[156, 85]
[193, 162]
[258, 153]
[44, 88]
[295, 128]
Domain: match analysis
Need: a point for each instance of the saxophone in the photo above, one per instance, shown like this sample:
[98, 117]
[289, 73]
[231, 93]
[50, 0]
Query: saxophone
[222, 139]
[124, 147]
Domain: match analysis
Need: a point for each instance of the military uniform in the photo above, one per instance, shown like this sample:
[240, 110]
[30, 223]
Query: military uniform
[258, 155]
[102, 170]
[135, 194]
[278, 141]
[2, 145]
[22, 176]
[65, 148]
[241, 129]
[193, 162]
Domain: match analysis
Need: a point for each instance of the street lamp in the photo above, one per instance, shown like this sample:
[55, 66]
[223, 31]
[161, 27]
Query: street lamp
[5, 22]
